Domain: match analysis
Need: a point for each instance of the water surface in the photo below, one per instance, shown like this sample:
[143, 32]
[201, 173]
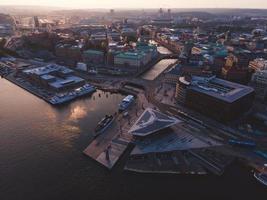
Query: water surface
[41, 157]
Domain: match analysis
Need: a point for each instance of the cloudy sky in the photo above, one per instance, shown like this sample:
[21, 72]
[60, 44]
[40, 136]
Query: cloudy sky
[142, 3]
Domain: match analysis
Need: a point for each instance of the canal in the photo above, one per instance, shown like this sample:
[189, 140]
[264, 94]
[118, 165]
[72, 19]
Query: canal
[41, 157]
[157, 69]
[161, 49]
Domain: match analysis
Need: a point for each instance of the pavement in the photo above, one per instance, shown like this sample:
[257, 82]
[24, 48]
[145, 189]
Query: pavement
[108, 147]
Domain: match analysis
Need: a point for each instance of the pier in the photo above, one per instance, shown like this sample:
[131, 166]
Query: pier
[109, 147]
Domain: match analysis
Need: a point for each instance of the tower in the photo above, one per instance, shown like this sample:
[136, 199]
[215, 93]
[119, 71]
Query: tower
[36, 22]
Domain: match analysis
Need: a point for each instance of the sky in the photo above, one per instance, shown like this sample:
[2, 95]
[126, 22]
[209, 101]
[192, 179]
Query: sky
[142, 3]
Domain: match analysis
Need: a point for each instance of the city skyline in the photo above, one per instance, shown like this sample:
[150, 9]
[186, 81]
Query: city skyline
[140, 4]
[119, 99]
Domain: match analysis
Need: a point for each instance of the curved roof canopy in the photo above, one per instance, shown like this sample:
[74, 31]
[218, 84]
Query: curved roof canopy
[150, 122]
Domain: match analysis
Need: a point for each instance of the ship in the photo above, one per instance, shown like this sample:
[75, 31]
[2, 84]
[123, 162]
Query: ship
[65, 97]
[261, 177]
[126, 102]
[103, 125]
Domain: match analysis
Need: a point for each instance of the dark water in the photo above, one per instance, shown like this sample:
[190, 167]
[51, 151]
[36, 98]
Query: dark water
[41, 157]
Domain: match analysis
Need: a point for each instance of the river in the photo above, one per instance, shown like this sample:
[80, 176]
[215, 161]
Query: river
[41, 157]
[159, 67]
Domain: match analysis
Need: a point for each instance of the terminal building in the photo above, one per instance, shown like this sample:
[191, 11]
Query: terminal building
[53, 77]
[165, 144]
[150, 122]
[214, 97]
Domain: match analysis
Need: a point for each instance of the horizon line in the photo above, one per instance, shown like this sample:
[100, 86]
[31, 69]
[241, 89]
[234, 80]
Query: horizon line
[131, 8]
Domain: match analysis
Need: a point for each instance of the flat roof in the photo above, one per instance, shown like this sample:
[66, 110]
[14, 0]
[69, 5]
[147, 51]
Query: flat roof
[221, 89]
[150, 122]
[47, 77]
[59, 83]
[130, 55]
[93, 51]
[48, 69]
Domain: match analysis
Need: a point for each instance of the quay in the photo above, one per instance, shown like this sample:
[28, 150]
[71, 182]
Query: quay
[109, 147]
[14, 81]
[41, 93]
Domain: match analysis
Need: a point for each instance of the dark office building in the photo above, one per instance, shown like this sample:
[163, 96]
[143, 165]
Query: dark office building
[217, 98]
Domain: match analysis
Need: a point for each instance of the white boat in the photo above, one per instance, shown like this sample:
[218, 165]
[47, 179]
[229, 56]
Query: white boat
[126, 102]
[62, 98]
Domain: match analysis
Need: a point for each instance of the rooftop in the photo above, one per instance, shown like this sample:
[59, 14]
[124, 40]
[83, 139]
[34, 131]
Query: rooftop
[219, 88]
[59, 83]
[93, 52]
[150, 122]
[178, 138]
[48, 69]
[130, 55]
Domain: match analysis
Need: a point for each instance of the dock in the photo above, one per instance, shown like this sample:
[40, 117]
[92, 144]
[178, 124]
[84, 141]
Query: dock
[109, 147]
[116, 146]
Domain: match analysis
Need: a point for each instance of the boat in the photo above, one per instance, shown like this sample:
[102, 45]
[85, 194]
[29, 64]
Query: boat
[261, 177]
[65, 97]
[103, 125]
[126, 102]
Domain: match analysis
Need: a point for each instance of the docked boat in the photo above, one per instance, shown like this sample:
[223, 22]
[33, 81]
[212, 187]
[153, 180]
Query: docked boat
[126, 102]
[261, 177]
[103, 124]
[62, 98]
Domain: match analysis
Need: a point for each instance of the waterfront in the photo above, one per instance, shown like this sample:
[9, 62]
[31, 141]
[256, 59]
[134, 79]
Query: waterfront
[41, 157]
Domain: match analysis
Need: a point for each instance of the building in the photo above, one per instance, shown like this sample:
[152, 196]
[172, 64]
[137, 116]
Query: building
[93, 57]
[6, 30]
[151, 121]
[236, 66]
[128, 32]
[258, 64]
[68, 54]
[150, 50]
[111, 55]
[133, 61]
[258, 67]
[172, 76]
[220, 99]
[163, 144]
[53, 77]
[259, 83]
